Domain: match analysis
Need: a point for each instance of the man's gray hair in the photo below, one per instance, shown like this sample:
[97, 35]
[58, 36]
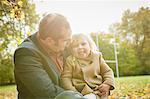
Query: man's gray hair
[52, 25]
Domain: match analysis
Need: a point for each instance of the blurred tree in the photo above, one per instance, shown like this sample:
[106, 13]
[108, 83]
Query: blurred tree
[134, 31]
[17, 19]
[106, 41]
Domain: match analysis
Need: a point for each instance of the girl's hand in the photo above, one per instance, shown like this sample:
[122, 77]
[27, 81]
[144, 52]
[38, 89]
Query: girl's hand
[103, 89]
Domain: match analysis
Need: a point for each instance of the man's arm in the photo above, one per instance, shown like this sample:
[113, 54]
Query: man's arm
[29, 70]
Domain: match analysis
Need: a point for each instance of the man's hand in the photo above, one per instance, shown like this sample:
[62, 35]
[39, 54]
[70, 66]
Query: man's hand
[103, 89]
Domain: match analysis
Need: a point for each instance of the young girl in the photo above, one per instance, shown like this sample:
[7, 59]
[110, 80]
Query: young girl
[86, 71]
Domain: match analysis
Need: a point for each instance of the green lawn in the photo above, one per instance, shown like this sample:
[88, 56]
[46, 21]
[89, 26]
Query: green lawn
[8, 92]
[135, 87]
[8, 88]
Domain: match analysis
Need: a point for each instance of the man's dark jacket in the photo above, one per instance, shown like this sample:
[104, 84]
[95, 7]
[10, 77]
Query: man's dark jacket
[36, 75]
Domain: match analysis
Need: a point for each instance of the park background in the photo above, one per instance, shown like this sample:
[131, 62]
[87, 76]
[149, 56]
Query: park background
[120, 28]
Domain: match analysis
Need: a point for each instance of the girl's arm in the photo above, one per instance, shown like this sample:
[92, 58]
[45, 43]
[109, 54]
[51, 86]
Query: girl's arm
[107, 73]
[66, 77]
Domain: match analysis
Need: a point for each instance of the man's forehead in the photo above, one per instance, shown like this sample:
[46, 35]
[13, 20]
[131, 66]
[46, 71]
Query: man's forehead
[67, 38]
[66, 34]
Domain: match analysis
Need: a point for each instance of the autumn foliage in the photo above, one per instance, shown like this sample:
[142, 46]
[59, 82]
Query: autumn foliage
[126, 88]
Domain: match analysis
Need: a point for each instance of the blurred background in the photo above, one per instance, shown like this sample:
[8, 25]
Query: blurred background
[120, 28]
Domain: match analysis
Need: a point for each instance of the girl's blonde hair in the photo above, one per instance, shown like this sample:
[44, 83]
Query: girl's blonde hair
[76, 37]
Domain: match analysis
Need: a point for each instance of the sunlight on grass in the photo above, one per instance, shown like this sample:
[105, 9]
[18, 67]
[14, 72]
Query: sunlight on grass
[8, 92]
[134, 87]
[8, 88]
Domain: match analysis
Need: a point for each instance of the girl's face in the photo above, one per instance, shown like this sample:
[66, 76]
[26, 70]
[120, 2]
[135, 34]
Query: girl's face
[81, 48]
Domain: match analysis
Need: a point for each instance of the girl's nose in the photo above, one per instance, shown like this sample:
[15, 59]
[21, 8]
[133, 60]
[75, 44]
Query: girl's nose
[80, 46]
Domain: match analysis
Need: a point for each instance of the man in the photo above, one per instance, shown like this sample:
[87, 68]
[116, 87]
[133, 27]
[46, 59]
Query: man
[39, 61]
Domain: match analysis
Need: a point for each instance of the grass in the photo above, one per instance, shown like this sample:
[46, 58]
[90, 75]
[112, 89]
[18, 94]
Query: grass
[8, 92]
[133, 87]
[8, 88]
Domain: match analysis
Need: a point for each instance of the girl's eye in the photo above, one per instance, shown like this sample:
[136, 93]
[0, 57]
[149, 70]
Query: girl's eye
[84, 43]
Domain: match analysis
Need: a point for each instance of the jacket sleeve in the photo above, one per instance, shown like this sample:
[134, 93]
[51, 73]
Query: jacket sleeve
[107, 73]
[29, 72]
[66, 77]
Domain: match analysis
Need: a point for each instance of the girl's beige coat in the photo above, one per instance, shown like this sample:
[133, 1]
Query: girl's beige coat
[85, 75]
